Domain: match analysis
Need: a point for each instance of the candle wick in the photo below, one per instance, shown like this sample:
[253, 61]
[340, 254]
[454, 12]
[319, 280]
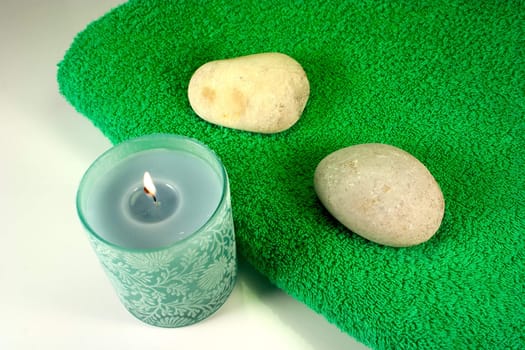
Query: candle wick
[152, 195]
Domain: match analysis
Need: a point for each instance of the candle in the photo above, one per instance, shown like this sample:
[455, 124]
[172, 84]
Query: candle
[157, 211]
[188, 191]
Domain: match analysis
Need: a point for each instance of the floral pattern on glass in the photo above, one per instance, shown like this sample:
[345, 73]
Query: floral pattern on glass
[181, 284]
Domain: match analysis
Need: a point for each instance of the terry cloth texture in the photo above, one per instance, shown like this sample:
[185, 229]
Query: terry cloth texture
[443, 80]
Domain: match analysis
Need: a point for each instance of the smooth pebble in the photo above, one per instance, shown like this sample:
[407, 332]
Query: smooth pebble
[263, 93]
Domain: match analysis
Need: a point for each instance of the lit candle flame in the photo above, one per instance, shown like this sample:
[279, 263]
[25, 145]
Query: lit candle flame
[149, 187]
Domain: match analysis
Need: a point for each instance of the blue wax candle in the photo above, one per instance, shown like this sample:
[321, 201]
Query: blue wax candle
[167, 243]
[188, 192]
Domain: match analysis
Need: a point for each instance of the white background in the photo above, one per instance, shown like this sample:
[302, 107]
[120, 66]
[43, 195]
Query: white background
[53, 292]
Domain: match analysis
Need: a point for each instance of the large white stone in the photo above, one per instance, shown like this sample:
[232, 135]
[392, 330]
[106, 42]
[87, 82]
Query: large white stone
[381, 193]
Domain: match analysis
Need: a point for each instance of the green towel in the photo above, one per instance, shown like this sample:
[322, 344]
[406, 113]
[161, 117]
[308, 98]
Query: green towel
[443, 80]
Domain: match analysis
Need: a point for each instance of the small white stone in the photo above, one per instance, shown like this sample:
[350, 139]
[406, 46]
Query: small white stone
[381, 193]
[263, 93]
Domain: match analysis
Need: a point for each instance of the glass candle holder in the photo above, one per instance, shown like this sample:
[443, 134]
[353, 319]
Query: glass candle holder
[168, 250]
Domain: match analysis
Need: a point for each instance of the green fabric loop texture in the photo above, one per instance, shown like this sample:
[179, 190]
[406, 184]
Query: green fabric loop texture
[443, 80]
